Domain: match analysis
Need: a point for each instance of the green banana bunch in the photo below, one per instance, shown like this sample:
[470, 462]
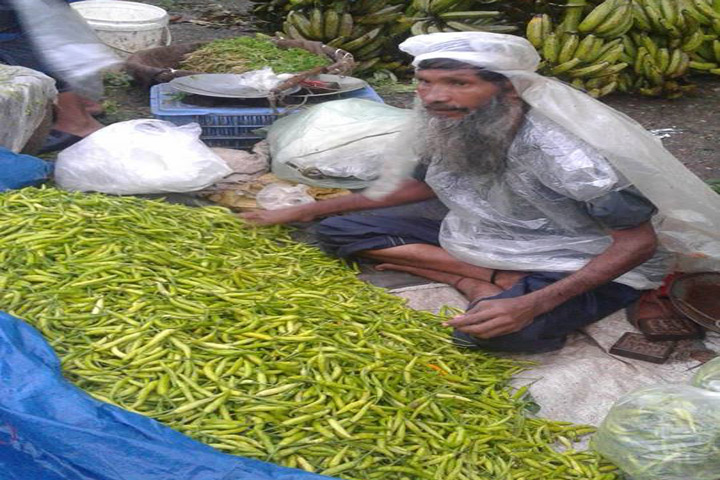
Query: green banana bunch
[432, 16]
[707, 58]
[658, 67]
[588, 62]
[610, 19]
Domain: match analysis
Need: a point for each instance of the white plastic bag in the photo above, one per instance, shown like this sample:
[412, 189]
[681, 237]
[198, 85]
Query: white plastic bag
[140, 156]
[671, 432]
[281, 195]
[708, 376]
[338, 144]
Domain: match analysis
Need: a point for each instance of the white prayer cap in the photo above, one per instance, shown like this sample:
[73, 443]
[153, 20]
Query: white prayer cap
[492, 51]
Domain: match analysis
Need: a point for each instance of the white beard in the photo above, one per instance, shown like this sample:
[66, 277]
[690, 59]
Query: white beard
[477, 142]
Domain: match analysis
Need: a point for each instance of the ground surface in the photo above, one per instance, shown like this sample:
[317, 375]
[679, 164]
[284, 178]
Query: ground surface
[692, 124]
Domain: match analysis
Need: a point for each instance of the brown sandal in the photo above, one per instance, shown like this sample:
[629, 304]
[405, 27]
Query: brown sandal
[655, 317]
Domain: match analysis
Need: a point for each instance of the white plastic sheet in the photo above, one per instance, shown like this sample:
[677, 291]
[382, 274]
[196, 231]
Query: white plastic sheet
[337, 144]
[691, 210]
[24, 97]
[140, 156]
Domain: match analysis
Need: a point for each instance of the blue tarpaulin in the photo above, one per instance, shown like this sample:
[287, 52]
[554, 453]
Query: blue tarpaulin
[51, 430]
[18, 171]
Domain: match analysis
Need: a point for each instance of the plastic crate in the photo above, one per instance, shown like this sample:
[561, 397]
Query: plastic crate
[228, 126]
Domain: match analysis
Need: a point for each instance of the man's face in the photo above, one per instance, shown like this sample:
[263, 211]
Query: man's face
[453, 93]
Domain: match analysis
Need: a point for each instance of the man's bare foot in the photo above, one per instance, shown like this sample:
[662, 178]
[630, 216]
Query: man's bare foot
[471, 288]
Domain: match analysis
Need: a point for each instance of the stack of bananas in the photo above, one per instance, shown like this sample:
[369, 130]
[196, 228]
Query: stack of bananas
[643, 46]
[706, 58]
[372, 29]
[591, 61]
[431, 16]
[663, 36]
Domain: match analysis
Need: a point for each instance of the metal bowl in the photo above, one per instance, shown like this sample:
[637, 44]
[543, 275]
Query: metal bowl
[697, 296]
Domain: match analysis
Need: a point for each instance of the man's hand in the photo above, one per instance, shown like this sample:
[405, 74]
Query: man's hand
[279, 216]
[492, 318]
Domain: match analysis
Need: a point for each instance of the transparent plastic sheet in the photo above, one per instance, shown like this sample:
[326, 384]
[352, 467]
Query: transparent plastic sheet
[670, 432]
[51, 430]
[689, 209]
[140, 156]
[708, 376]
[337, 144]
[67, 44]
[282, 195]
[533, 217]
[24, 97]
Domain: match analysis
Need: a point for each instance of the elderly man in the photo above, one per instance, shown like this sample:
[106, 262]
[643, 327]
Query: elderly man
[543, 234]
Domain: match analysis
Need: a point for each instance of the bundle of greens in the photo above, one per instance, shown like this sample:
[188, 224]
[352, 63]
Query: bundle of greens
[244, 54]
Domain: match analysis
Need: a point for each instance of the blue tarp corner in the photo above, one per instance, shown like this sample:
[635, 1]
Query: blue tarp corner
[51, 430]
[19, 171]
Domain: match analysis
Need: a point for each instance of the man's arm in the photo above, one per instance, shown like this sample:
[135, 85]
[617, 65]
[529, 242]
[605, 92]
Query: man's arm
[409, 191]
[491, 318]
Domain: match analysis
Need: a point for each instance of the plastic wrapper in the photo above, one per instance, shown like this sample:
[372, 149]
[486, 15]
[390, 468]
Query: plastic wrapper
[140, 156]
[281, 195]
[533, 217]
[670, 432]
[50, 430]
[338, 144]
[689, 208]
[67, 44]
[264, 79]
[708, 377]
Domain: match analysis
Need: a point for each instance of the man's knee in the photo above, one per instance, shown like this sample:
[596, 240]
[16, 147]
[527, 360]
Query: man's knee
[524, 341]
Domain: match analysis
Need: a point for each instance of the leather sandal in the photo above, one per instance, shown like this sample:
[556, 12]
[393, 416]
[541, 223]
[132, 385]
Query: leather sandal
[654, 315]
[58, 140]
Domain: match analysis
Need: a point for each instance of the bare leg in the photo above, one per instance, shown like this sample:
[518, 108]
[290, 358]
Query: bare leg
[72, 117]
[435, 258]
[91, 106]
[469, 287]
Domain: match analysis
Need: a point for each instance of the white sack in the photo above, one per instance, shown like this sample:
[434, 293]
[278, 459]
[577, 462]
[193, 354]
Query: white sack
[338, 144]
[140, 156]
[24, 98]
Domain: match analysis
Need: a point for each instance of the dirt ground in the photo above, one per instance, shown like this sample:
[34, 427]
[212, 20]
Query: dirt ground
[690, 126]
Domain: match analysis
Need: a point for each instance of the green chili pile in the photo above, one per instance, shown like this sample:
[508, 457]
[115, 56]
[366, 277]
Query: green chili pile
[263, 347]
[243, 54]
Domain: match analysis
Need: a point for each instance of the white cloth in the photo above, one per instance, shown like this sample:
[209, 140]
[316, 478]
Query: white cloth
[689, 208]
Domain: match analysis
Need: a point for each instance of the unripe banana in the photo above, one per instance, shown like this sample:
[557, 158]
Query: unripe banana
[301, 23]
[566, 66]
[662, 60]
[616, 23]
[674, 64]
[612, 55]
[551, 48]
[346, 25]
[568, 48]
[440, 6]
[317, 24]
[641, 19]
[534, 31]
[693, 41]
[670, 11]
[588, 71]
[597, 16]
[331, 26]
[585, 47]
